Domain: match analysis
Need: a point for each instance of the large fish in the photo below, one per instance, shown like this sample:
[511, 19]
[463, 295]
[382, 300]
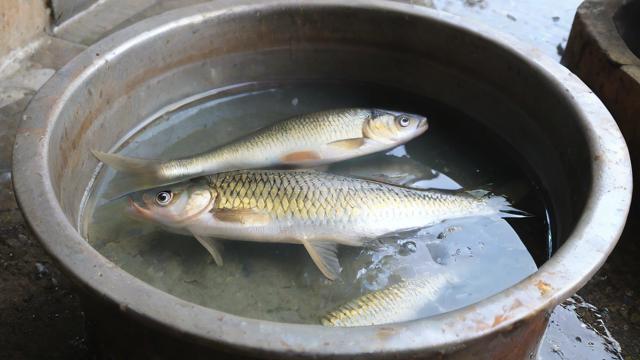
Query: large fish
[304, 141]
[396, 303]
[315, 209]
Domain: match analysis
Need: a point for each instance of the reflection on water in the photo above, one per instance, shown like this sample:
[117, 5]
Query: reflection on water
[577, 331]
[279, 281]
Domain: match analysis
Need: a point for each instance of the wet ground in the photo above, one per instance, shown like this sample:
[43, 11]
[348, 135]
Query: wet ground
[41, 317]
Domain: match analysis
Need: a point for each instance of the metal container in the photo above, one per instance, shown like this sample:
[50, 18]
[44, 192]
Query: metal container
[563, 131]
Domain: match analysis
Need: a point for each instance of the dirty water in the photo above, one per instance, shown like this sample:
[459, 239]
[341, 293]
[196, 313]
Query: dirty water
[279, 282]
[577, 331]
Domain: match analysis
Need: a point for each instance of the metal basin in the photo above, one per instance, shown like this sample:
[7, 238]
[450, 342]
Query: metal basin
[553, 120]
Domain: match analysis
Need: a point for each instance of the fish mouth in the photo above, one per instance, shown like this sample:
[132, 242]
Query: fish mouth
[138, 210]
[423, 124]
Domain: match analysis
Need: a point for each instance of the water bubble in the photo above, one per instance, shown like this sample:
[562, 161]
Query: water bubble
[407, 248]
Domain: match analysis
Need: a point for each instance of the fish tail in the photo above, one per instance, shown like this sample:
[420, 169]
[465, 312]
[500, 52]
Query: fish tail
[128, 183]
[499, 204]
[134, 173]
[128, 164]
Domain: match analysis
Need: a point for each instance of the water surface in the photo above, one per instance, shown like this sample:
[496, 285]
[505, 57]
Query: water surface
[279, 281]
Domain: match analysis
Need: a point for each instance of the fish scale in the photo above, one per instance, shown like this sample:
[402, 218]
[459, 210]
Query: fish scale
[333, 124]
[396, 303]
[310, 197]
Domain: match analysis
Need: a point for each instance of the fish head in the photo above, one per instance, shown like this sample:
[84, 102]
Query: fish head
[392, 127]
[172, 206]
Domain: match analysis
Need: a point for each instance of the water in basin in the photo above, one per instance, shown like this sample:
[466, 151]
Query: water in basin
[279, 282]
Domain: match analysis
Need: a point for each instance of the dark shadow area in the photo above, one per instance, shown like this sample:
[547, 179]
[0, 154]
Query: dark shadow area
[627, 21]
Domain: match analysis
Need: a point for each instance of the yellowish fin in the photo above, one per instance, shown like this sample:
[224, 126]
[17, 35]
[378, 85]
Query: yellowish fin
[242, 216]
[300, 156]
[348, 144]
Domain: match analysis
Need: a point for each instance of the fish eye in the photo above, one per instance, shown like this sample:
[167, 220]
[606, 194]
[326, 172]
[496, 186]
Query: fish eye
[164, 197]
[404, 121]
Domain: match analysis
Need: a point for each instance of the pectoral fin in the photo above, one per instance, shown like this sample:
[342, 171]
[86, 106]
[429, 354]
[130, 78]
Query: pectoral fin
[324, 255]
[213, 246]
[242, 216]
[300, 156]
[348, 144]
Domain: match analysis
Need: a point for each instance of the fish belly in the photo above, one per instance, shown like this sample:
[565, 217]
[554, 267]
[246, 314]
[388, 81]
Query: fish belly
[281, 232]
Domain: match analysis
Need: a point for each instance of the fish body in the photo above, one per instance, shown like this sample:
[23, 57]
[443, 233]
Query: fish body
[400, 302]
[315, 209]
[308, 204]
[303, 141]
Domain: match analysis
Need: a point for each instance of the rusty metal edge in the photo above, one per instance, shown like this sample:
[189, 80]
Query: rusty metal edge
[592, 240]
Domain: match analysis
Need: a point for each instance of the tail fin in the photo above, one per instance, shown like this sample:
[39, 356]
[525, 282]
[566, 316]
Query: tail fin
[136, 174]
[127, 164]
[500, 204]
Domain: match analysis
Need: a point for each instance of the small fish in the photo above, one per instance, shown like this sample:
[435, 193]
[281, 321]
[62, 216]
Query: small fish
[315, 209]
[303, 141]
[400, 302]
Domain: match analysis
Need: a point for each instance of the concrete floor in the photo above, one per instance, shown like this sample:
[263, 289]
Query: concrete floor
[39, 311]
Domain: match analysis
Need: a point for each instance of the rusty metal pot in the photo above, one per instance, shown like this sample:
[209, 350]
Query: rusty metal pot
[562, 130]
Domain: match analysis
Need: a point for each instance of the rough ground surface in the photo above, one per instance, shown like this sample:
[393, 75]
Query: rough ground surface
[39, 312]
[40, 315]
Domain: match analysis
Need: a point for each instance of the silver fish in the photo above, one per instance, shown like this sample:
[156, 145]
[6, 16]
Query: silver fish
[317, 210]
[303, 141]
[396, 303]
